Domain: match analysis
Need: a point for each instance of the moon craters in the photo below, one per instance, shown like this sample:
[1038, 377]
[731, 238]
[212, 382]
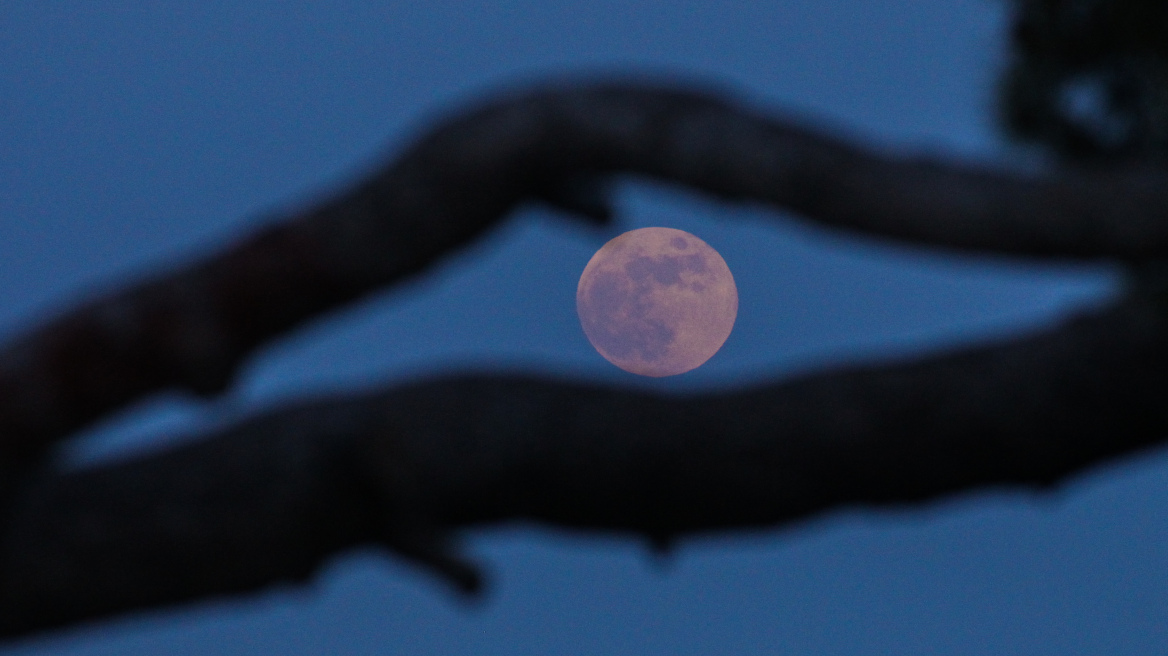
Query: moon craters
[657, 301]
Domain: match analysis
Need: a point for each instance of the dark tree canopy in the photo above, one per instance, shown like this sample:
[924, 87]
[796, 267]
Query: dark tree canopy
[408, 467]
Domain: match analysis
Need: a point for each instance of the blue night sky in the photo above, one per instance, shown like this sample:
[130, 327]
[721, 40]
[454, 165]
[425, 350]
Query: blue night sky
[133, 139]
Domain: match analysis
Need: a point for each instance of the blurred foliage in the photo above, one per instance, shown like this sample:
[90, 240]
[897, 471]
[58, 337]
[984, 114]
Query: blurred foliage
[1088, 79]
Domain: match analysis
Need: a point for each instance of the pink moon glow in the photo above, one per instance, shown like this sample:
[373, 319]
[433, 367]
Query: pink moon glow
[657, 301]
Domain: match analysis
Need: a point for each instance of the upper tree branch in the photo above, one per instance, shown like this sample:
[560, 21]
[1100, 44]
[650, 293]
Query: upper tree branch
[191, 328]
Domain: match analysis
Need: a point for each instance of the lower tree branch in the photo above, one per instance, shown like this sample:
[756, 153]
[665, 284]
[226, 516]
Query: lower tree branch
[271, 499]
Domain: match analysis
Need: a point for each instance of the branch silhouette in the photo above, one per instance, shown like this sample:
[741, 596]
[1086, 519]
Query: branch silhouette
[269, 500]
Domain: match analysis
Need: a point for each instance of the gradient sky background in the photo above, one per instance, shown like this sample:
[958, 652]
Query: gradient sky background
[132, 139]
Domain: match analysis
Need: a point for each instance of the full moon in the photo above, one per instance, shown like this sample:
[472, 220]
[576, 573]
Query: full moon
[657, 301]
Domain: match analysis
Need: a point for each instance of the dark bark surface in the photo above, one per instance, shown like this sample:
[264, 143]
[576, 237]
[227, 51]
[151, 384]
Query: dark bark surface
[193, 327]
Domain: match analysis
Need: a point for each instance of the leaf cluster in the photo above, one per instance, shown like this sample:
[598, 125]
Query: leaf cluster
[1088, 79]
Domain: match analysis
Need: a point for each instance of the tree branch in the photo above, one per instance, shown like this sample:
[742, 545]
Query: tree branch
[270, 499]
[191, 328]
